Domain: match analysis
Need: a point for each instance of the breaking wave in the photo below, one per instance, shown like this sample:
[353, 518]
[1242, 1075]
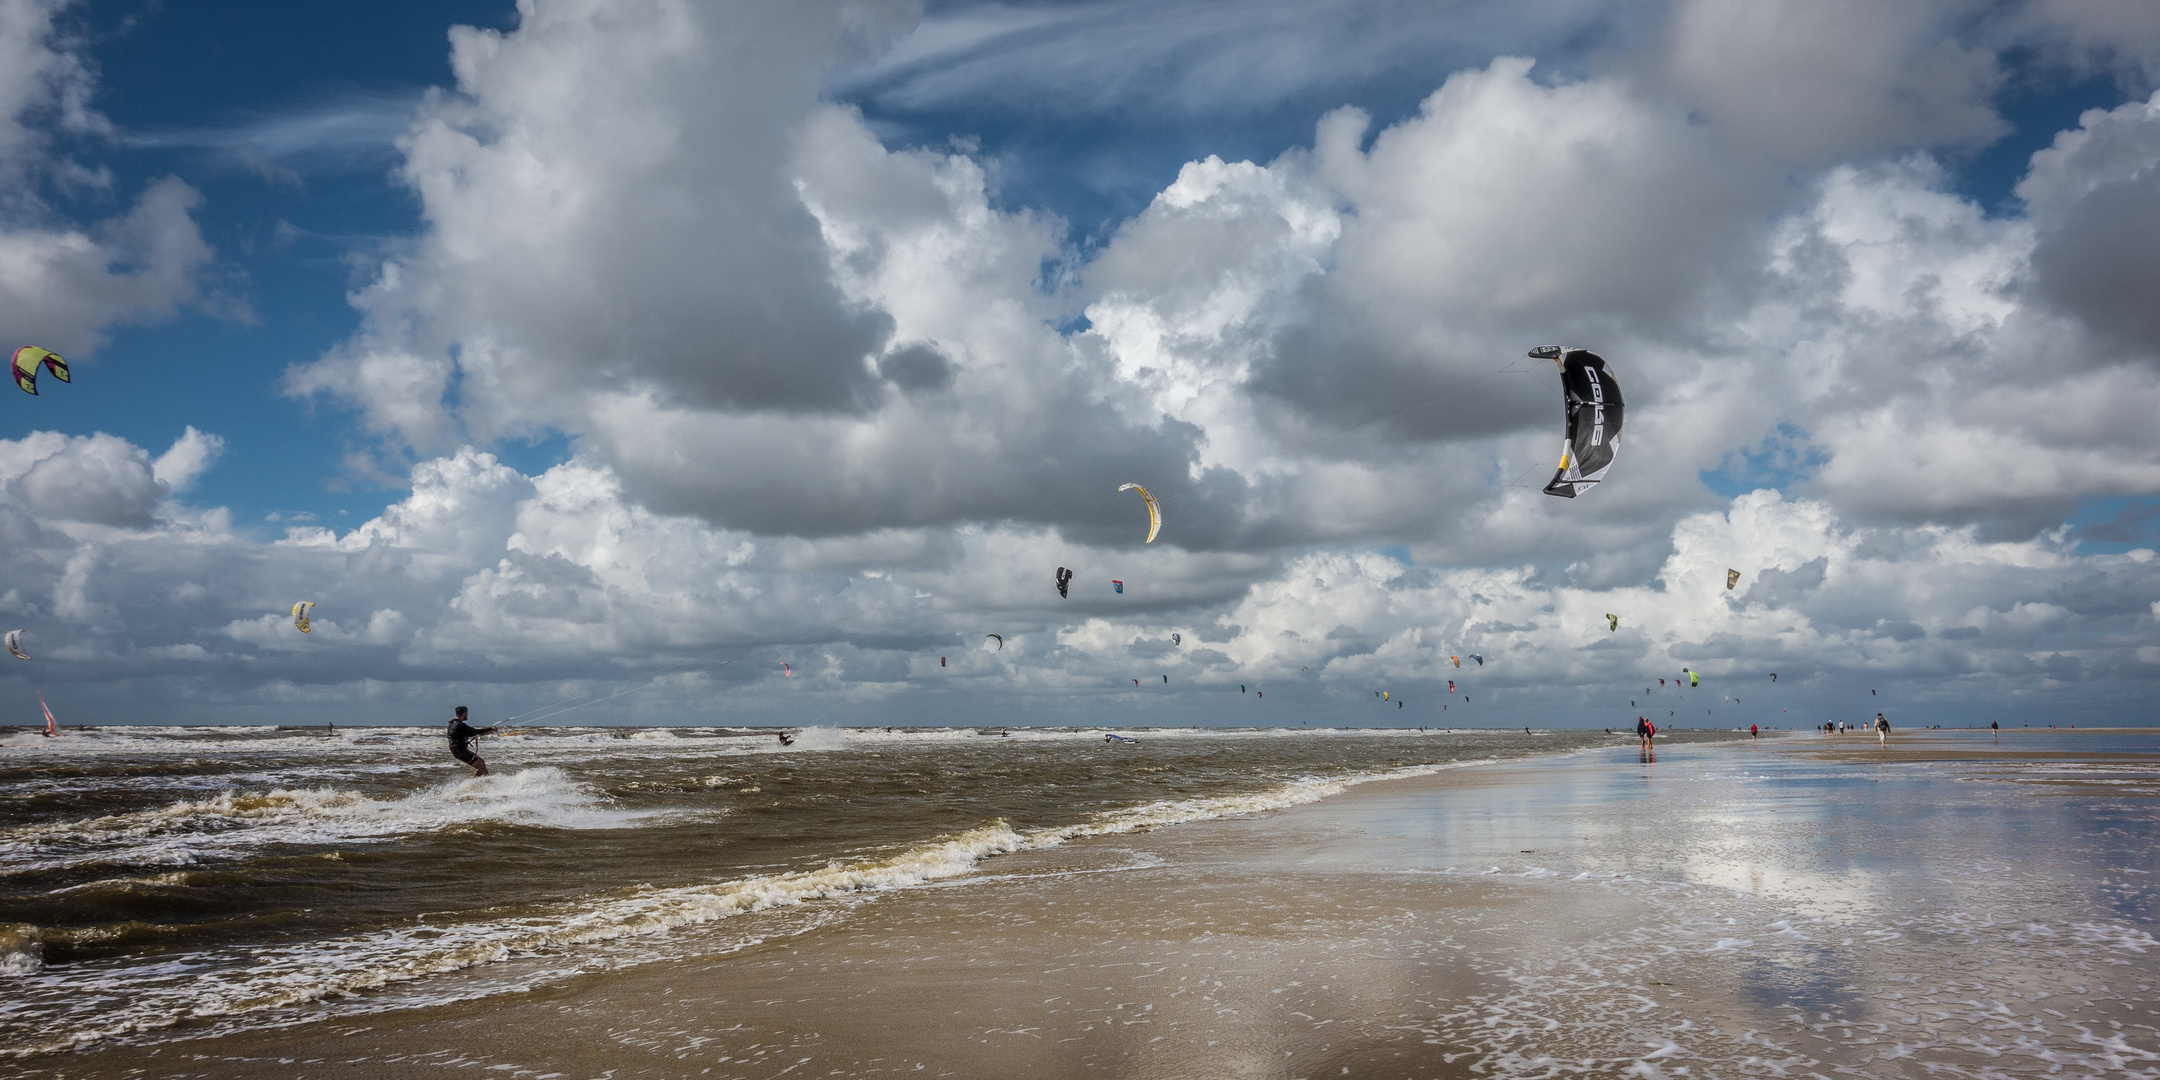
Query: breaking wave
[235, 822]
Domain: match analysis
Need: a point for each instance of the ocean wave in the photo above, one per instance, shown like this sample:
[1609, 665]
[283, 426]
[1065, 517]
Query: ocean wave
[76, 744]
[235, 821]
[20, 952]
[227, 983]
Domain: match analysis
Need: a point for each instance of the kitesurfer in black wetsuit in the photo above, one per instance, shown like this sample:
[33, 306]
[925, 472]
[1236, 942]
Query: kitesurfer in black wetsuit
[461, 737]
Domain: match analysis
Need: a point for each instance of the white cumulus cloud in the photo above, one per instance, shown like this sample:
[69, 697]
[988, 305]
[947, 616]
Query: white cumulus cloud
[841, 403]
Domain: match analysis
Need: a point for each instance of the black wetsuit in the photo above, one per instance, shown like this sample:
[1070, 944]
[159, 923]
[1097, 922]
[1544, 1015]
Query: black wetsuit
[461, 736]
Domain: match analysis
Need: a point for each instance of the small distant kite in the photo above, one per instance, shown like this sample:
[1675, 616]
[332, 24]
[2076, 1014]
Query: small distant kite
[1451, 686]
[1732, 578]
[1000, 640]
[786, 672]
[941, 661]
[14, 644]
[1177, 640]
[1480, 660]
[1064, 578]
[1613, 619]
[1154, 511]
[27, 361]
[1117, 586]
[1457, 660]
[1166, 680]
[1136, 682]
[300, 615]
[1773, 676]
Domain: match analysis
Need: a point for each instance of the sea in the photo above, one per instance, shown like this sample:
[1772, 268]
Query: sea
[160, 883]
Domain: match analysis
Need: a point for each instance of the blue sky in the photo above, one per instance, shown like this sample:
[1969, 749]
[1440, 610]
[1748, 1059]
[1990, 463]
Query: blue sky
[323, 93]
[1205, 288]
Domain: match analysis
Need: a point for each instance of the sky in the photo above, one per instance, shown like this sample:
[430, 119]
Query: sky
[649, 362]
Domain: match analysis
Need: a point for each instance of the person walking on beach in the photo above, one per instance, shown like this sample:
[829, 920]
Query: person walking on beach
[1752, 733]
[1995, 730]
[461, 737]
[1882, 731]
[1645, 730]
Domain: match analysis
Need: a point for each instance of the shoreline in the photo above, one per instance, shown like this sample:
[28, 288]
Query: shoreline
[1568, 908]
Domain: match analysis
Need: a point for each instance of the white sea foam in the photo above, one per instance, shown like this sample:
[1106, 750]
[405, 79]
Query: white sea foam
[234, 821]
[20, 953]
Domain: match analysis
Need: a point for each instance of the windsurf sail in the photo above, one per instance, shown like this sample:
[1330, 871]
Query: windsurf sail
[52, 726]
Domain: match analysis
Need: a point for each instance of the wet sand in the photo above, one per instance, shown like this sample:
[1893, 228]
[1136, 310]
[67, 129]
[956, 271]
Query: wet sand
[1749, 909]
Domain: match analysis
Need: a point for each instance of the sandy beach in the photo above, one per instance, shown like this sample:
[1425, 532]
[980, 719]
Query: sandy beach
[1779, 908]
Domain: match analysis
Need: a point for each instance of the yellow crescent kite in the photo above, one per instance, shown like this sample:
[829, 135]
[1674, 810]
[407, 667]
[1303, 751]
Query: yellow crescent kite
[1154, 511]
[27, 360]
[300, 615]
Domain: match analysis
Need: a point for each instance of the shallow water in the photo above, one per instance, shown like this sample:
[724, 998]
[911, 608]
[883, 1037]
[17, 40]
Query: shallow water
[165, 881]
[1961, 907]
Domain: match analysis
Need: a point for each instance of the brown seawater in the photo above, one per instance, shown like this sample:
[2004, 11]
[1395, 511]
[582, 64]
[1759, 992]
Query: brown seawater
[170, 882]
